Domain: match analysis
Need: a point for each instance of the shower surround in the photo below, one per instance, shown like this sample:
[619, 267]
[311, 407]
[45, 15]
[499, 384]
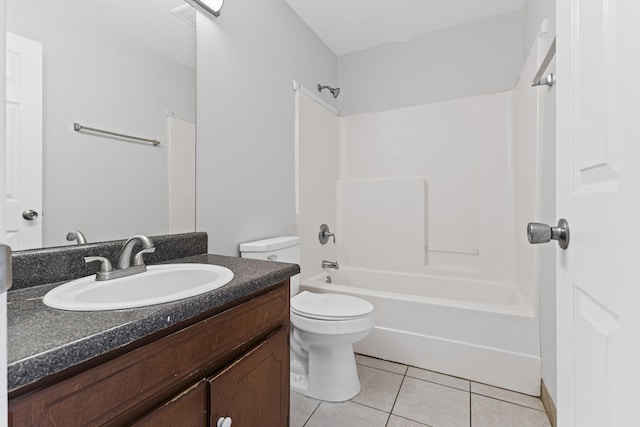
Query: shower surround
[429, 204]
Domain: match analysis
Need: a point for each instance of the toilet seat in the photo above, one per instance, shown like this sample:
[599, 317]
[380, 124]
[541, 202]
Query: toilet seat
[332, 307]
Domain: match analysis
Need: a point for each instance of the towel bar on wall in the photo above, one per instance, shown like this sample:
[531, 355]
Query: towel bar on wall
[78, 127]
[550, 79]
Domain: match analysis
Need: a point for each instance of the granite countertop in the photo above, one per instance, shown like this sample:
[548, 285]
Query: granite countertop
[43, 341]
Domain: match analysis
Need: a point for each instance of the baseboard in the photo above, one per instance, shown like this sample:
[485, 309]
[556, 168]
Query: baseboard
[505, 369]
[549, 406]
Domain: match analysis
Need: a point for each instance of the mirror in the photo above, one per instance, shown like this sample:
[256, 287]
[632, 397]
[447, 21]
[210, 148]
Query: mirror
[117, 65]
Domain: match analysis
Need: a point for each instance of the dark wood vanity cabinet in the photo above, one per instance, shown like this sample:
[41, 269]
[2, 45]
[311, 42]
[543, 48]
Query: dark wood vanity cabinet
[234, 363]
[251, 391]
[189, 408]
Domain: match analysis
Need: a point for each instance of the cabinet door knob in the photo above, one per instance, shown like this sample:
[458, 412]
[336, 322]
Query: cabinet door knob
[224, 422]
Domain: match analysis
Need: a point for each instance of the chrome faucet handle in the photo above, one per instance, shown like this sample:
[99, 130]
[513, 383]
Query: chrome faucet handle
[324, 234]
[105, 264]
[137, 258]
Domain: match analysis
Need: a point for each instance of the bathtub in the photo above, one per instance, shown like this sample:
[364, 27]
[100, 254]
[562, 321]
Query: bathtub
[472, 329]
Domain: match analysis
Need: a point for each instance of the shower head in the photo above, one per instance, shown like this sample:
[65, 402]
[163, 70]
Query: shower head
[335, 91]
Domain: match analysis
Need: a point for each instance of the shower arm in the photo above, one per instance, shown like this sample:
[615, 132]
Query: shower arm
[335, 91]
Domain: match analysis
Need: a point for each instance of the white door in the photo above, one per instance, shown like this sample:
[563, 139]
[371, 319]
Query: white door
[598, 191]
[23, 142]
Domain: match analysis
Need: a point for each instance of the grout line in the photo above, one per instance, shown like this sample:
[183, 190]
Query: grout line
[470, 407]
[426, 381]
[385, 370]
[396, 399]
[436, 372]
[507, 401]
[443, 385]
[314, 411]
[366, 406]
[413, 421]
[379, 369]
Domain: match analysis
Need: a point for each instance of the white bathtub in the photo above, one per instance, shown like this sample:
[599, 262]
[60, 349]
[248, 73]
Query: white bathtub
[473, 329]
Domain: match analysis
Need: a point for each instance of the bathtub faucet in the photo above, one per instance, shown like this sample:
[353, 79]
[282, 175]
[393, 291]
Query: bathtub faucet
[330, 264]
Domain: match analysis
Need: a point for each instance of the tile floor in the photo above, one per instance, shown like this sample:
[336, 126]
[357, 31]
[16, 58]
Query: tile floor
[395, 395]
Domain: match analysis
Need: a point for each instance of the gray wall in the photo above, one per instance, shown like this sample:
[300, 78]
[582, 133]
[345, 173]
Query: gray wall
[246, 61]
[473, 59]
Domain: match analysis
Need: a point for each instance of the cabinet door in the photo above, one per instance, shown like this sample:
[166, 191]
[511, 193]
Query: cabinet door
[254, 390]
[188, 409]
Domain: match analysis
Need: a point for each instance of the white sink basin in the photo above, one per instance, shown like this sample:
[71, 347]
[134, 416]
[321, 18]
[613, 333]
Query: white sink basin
[159, 284]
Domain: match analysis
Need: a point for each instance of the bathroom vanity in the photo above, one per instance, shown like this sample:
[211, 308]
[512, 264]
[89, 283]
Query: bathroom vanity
[187, 363]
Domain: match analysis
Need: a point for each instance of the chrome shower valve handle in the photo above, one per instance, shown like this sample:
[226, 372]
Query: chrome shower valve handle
[324, 234]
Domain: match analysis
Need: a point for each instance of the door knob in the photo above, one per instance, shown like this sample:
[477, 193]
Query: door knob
[29, 214]
[543, 233]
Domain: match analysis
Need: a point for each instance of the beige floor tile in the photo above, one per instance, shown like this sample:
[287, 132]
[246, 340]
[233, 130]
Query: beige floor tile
[395, 421]
[379, 389]
[300, 409]
[346, 414]
[507, 395]
[436, 377]
[396, 368]
[487, 412]
[432, 404]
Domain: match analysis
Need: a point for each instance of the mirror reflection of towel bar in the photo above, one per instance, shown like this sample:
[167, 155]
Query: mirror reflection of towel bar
[78, 127]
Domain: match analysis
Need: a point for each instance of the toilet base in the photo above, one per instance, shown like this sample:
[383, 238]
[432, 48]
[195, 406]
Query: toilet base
[330, 375]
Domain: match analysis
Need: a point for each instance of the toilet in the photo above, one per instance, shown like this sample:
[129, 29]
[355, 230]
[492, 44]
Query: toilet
[324, 328]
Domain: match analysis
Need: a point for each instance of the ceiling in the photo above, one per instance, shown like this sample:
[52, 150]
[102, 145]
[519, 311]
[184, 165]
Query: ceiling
[146, 22]
[351, 25]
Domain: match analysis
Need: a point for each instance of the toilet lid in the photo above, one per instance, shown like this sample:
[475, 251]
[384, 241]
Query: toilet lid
[329, 306]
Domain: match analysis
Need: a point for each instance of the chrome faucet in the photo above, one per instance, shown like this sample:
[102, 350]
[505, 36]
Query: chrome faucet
[107, 272]
[330, 264]
[124, 261]
[77, 236]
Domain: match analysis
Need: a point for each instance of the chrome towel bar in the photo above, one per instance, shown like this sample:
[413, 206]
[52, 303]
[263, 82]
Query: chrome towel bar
[78, 127]
[549, 81]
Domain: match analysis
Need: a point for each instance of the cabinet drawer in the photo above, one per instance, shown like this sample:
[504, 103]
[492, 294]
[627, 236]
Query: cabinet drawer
[188, 409]
[254, 390]
[130, 385]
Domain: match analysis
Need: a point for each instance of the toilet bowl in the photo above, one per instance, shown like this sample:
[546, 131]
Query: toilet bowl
[324, 328]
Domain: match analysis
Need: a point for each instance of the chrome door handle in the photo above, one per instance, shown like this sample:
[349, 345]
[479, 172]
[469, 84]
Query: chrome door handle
[543, 233]
[30, 215]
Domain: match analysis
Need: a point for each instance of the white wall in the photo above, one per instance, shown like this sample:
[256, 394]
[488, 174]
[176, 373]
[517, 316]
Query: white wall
[473, 59]
[424, 189]
[106, 188]
[535, 11]
[526, 164]
[318, 172]
[247, 59]
[547, 272]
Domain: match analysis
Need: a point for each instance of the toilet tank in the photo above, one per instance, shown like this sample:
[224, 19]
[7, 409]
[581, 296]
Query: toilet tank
[282, 249]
